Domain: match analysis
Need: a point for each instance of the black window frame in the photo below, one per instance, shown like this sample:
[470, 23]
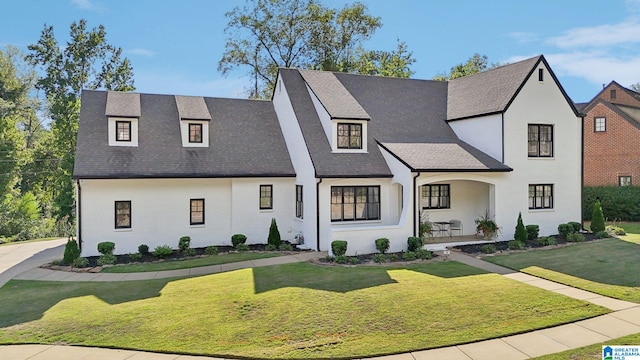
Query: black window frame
[299, 202]
[122, 213]
[540, 74]
[350, 136]
[370, 207]
[538, 141]
[430, 189]
[191, 139]
[613, 94]
[266, 193]
[192, 211]
[597, 128]
[546, 193]
[128, 124]
[621, 177]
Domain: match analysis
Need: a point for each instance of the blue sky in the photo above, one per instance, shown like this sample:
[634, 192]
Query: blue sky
[175, 46]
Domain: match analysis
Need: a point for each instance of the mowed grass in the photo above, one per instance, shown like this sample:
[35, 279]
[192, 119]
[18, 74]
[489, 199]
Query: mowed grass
[591, 352]
[288, 311]
[192, 263]
[607, 267]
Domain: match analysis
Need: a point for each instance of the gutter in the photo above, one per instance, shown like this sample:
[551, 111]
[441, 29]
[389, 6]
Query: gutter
[415, 203]
[318, 214]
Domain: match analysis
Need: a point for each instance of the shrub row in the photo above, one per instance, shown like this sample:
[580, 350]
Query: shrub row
[618, 202]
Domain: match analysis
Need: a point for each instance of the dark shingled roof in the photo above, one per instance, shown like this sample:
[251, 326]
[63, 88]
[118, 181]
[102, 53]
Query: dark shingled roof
[244, 141]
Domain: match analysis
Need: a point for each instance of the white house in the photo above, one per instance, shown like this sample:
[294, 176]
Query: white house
[354, 158]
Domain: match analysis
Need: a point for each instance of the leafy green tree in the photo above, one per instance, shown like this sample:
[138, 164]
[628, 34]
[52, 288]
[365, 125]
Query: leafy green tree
[265, 35]
[274, 234]
[475, 64]
[521, 231]
[597, 218]
[87, 61]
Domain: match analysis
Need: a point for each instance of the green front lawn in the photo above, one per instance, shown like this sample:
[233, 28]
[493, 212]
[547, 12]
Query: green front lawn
[287, 311]
[607, 267]
[592, 351]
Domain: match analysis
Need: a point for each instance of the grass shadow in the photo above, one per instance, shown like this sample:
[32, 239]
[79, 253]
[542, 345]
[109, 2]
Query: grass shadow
[446, 269]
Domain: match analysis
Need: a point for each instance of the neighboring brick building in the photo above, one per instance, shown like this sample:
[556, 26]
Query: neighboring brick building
[612, 137]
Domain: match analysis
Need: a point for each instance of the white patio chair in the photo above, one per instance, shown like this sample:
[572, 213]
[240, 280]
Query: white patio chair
[455, 225]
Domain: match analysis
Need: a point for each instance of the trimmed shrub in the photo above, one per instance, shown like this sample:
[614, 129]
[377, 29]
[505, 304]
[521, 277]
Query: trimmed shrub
[575, 237]
[488, 249]
[414, 243]
[106, 247]
[341, 259]
[184, 243]
[565, 229]
[597, 218]
[532, 232]
[285, 247]
[238, 239]
[516, 245]
[354, 260]
[162, 251]
[615, 230]
[189, 252]
[423, 254]
[271, 247]
[106, 259]
[602, 235]
[546, 241]
[242, 247]
[338, 247]
[379, 258]
[409, 256]
[521, 232]
[274, 234]
[80, 262]
[211, 250]
[382, 245]
[393, 257]
[576, 226]
[71, 252]
[143, 249]
[135, 257]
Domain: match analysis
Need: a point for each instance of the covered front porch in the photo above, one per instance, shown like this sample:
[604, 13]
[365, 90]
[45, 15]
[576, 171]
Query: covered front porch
[442, 243]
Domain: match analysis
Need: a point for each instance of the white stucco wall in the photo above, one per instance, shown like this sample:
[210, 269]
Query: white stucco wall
[160, 211]
[483, 132]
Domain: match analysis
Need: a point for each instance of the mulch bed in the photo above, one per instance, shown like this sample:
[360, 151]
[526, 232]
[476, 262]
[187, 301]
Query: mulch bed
[503, 246]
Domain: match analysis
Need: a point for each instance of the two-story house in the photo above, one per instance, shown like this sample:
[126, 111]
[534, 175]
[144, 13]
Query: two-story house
[342, 156]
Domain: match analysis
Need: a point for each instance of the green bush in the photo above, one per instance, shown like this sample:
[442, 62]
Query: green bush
[409, 256]
[576, 226]
[285, 247]
[143, 249]
[211, 250]
[488, 249]
[565, 229]
[71, 252]
[80, 262]
[516, 245]
[271, 247]
[329, 258]
[106, 259]
[184, 243]
[162, 251]
[237, 239]
[575, 237]
[602, 235]
[242, 247]
[338, 247]
[546, 241]
[394, 257]
[618, 202]
[597, 218]
[521, 231]
[135, 257]
[379, 258]
[615, 230]
[532, 232]
[341, 259]
[189, 252]
[382, 245]
[354, 260]
[414, 243]
[106, 247]
[274, 234]
[423, 254]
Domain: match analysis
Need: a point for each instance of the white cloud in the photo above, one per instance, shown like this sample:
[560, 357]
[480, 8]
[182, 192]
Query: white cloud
[599, 36]
[597, 67]
[523, 37]
[143, 52]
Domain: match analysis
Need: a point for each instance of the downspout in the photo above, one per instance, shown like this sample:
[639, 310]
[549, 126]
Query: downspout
[78, 213]
[318, 214]
[415, 203]
[502, 137]
[582, 173]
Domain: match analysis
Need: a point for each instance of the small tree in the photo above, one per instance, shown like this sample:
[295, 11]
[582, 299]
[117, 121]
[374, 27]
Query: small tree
[382, 245]
[274, 235]
[71, 252]
[597, 218]
[521, 231]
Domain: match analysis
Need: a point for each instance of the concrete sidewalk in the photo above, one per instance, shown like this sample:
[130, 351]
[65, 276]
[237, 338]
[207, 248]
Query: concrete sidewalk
[624, 320]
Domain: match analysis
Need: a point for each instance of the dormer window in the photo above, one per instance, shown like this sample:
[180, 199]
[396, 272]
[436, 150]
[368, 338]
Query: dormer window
[123, 130]
[349, 136]
[195, 133]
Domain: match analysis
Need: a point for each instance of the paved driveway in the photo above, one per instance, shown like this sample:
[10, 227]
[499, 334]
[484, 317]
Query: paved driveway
[20, 257]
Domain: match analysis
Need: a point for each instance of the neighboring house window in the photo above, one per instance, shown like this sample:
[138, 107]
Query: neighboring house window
[541, 196]
[624, 180]
[350, 203]
[195, 133]
[123, 130]
[612, 93]
[266, 197]
[600, 124]
[540, 140]
[299, 207]
[349, 136]
[436, 196]
[123, 214]
[197, 212]
[540, 74]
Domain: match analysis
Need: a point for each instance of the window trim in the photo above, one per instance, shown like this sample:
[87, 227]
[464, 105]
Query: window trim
[115, 212]
[268, 196]
[539, 141]
[349, 126]
[128, 123]
[191, 212]
[441, 187]
[540, 75]
[195, 125]
[367, 203]
[620, 177]
[613, 94]
[604, 124]
[299, 202]
[543, 196]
